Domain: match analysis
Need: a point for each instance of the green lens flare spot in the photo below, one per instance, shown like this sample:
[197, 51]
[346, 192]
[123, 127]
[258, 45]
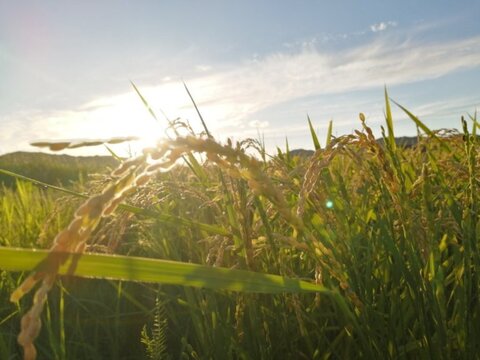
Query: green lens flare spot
[329, 204]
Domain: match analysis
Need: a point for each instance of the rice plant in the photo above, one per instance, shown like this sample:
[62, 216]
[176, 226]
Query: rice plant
[365, 249]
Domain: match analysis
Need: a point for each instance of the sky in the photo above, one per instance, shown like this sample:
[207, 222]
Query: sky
[255, 68]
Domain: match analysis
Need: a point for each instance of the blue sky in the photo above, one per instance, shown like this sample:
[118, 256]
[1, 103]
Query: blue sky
[252, 66]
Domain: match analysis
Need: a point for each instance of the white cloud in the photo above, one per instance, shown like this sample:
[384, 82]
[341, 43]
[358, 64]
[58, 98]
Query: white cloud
[231, 98]
[382, 26]
[203, 68]
[281, 77]
[454, 107]
[257, 124]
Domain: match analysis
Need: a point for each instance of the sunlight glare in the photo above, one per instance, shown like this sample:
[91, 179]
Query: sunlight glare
[125, 115]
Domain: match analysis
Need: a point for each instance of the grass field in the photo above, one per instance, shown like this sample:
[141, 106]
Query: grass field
[376, 245]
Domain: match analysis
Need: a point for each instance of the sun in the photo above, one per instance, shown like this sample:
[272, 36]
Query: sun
[126, 115]
[122, 116]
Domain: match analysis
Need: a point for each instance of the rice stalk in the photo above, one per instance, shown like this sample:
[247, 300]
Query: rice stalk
[132, 174]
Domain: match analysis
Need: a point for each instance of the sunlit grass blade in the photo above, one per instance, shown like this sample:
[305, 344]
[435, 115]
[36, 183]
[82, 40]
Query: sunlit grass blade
[389, 119]
[195, 166]
[475, 126]
[422, 126]
[128, 268]
[329, 133]
[192, 163]
[114, 155]
[145, 102]
[416, 120]
[42, 184]
[316, 143]
[166, 218]
[198, 112]
[287, 151]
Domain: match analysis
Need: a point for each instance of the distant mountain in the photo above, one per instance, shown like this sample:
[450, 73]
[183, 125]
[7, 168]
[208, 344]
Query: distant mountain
[64, 169]
[405, 141]
[301, 153]
[53, 169]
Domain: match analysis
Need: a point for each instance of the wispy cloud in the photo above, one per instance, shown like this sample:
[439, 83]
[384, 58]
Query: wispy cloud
[382, 26]
[231, 98]
[203, 68]
[257, 124]
[314, 41]
[281, 77]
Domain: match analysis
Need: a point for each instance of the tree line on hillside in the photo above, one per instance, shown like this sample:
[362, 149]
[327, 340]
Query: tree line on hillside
[53, 169]
[65, 169]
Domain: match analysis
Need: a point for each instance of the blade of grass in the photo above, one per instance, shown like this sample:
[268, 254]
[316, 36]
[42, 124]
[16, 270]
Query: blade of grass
[475, 126]
[287, 151]
[198, 111]
[145, 102]
[42, 184]
[329, 133]
[192, 163]
[316, 143]
[195, 166]
[128, 268]
[422, 126]
[166, 218]
[417, 121]
[113, 153]
[389, 119]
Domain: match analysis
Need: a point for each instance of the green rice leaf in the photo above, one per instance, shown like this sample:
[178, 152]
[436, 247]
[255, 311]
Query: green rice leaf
[329, 132]
[389, 119]
[316, 143]
[42, 184]
[144, 102]
[422, 126]
[198, 112]
[287, 151]
[129, 268]
[114, 155]
[475, 126]
[166, 218]
[416, 120]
